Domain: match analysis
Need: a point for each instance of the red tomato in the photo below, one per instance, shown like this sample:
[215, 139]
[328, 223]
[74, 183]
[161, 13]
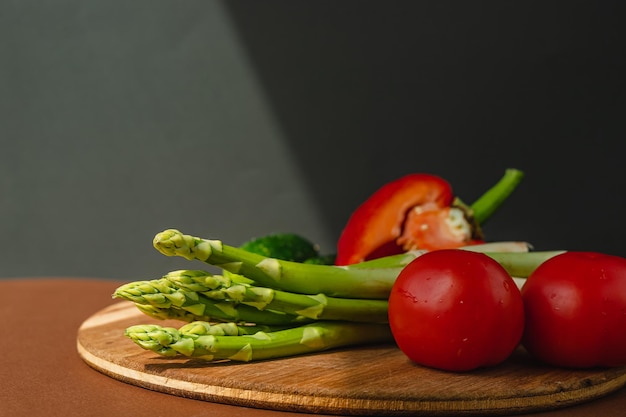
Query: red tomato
[456, 310]
[575, 307]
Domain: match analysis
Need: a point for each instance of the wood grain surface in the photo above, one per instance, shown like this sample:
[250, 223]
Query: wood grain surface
[376, 380]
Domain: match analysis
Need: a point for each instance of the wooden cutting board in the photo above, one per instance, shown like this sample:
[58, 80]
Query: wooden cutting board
[376, 380]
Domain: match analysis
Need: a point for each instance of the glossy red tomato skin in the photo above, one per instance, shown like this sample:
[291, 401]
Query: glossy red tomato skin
[456, 310]
[575, 306]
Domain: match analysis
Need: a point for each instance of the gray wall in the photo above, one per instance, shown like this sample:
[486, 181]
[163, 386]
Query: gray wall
[234, 119]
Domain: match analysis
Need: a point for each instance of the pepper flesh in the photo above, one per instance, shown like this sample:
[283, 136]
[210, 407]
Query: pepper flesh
[445, 228]
[411, 212]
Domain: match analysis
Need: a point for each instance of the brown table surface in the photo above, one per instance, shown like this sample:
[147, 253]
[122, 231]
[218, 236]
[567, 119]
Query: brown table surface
[42, 374]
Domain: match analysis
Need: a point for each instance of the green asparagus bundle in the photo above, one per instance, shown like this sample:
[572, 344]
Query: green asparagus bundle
[235, 343]
[264, 307]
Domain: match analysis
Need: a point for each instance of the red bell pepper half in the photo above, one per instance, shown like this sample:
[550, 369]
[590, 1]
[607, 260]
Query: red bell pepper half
[418, 211]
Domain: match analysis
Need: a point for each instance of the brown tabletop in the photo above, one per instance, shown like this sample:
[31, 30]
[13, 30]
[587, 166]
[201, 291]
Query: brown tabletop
[42, 374]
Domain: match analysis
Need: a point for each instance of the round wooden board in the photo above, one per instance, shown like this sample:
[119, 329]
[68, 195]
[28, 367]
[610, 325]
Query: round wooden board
[376, 380]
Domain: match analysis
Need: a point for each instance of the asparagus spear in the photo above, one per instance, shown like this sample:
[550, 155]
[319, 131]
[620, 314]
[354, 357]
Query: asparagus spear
[196, 322]
[163, 294]
[353, 281]
[308, 338]
[274, 273]
[318, 307]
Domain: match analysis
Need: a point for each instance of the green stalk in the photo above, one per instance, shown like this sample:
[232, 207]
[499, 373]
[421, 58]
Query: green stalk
[403, 259]
[353, 281]
[194, 323]
[521, 265]
[317, 307]
[274, 273]
[490, 201]
[309, 338]
[163, 294]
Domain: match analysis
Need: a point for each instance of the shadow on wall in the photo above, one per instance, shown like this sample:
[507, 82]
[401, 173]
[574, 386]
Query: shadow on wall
[366, 93]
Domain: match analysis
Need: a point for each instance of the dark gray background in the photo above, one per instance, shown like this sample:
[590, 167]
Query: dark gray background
[234, 119]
